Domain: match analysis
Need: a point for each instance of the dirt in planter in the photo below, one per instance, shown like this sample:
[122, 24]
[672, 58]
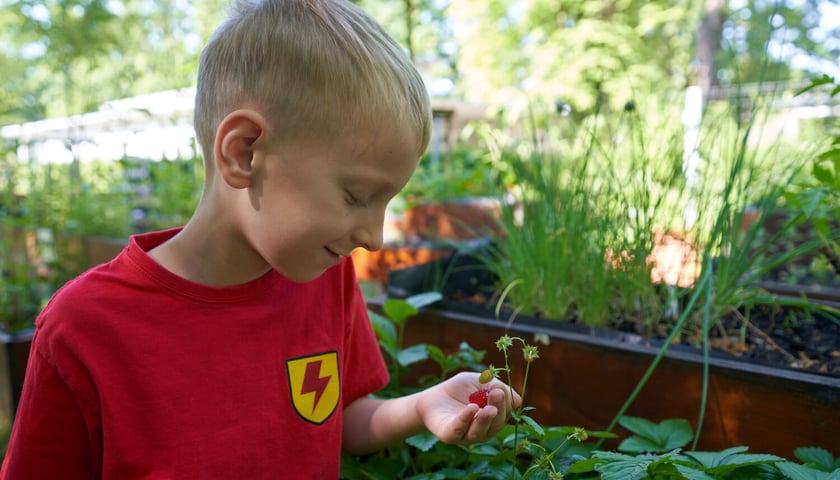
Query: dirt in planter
[783, 337]
[773, 336]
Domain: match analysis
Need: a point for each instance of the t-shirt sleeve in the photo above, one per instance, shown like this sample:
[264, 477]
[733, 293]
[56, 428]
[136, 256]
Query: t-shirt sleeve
[364, 368]
[50, 438]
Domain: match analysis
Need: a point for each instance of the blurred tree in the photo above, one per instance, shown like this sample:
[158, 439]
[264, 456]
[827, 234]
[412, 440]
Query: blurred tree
[572, 56]
[424, 29]
[578, 54]
[777, 40]
[63, 41]
[584, 55]
[73, 55]
[158, 49]
[709, 31]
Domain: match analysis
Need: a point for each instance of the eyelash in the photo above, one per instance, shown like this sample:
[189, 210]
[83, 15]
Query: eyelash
[353, 200]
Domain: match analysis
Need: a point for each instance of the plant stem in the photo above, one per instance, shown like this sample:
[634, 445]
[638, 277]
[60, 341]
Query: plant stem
[707, 307]
[705, 277]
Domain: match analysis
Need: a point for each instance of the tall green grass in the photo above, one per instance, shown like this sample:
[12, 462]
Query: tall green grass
[587, 212]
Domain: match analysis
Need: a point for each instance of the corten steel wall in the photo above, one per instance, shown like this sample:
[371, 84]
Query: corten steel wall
[583, 381]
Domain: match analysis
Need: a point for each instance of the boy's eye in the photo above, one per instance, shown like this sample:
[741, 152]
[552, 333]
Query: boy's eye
[353, 199]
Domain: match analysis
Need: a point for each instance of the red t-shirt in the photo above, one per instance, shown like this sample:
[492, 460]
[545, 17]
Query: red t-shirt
[136, 373]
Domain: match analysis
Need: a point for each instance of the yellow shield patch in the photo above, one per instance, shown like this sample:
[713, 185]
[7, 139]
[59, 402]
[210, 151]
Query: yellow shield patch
[314, 385]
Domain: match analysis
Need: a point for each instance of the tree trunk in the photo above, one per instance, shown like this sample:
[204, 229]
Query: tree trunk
[409, 27]
[708, 44]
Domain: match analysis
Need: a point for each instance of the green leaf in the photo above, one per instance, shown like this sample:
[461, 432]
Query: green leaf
[424, 299]
[638, 444]
[650, 437]
[493, 470]
[738, 461]
[384, 329]
[422, 441]
[825, 175]
[538, 472]
[817, 457]
[714, 459]
[583, 466]
[398, 310]
[536, 426]
[413, 354]
[428, 476]
[485, 449]
[375, 467]
[794, 471]
[766, 471]
[623, 467]
[816, 82]
[436, 354]
[640, 426]
[692, 473]
[675, 433]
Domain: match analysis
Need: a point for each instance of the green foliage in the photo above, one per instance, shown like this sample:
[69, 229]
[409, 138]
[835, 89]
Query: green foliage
[585, 53]
[753, 24]
[652, 437]
[48, 210]
[70, 56]
[525, 449]
[581, 207]
[464, 173]
[390, 330]
[663, 458]
[590, 212]
[816, 457]
[818, 196]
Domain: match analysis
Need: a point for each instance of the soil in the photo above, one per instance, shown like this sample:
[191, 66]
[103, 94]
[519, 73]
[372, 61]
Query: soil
[771, 336]
[774, 336]
[785, 338]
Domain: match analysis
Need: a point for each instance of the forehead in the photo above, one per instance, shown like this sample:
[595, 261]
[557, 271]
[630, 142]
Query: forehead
[384, 155]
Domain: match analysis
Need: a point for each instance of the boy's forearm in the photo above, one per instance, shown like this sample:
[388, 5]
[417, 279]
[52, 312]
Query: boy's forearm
[371, 424]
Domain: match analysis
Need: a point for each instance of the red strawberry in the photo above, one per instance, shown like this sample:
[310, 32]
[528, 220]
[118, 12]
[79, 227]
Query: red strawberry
[479, 397]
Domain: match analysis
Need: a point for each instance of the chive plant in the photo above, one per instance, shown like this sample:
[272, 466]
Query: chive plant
[577, 237]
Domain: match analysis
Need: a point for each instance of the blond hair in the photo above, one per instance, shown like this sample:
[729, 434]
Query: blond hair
[315, 68]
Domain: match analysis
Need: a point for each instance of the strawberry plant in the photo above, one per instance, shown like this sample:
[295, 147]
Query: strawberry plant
[654, 451]
[525, 449]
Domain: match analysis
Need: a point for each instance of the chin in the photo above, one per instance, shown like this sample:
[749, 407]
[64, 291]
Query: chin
[303, 277]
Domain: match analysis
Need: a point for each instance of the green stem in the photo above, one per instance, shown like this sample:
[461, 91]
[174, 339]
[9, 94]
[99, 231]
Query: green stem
[704, 278]
[524, 383]
[707, 265]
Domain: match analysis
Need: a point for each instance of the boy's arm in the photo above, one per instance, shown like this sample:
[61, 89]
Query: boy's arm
[49, 436]
[445, 410]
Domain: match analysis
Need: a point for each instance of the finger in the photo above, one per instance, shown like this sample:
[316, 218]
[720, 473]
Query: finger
[499, 399]
[463, 423]
[482, 427]
[496, 397]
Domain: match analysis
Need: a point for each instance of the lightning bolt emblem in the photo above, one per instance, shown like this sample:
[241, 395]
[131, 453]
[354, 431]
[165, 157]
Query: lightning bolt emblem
[314, 385]
[313, 382]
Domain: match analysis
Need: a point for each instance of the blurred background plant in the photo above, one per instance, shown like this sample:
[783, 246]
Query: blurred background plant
[464, 173]
[609, 227]
[48, 212]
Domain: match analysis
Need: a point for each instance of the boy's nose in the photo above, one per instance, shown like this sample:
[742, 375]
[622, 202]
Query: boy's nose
[369, 235]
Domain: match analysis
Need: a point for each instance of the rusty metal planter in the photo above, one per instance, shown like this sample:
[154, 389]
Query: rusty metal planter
[584, 375]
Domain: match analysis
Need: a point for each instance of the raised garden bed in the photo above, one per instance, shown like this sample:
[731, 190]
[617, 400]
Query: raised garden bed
[584, 376]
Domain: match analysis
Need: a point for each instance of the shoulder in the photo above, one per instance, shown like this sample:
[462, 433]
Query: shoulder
[81, 307]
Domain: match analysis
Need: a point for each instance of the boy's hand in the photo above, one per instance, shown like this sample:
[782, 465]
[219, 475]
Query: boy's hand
[447, 412]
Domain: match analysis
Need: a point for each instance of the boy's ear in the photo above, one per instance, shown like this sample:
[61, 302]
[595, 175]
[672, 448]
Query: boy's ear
[239, 138]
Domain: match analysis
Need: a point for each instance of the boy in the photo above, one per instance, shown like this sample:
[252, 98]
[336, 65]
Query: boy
[239, 347]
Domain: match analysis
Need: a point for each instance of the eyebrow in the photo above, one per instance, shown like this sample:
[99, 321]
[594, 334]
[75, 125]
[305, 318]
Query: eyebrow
[379, 182]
